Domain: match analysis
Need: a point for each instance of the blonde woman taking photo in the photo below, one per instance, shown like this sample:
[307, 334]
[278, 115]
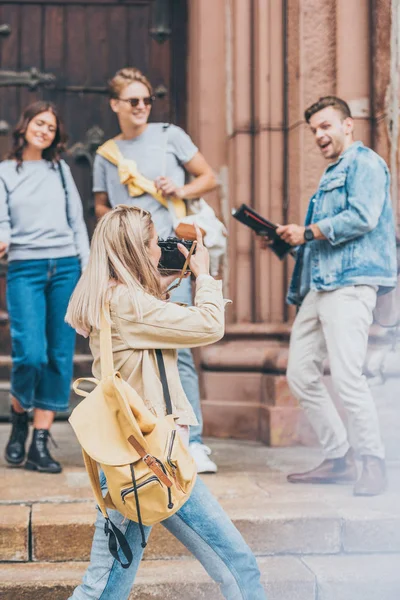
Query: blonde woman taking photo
[122, 270]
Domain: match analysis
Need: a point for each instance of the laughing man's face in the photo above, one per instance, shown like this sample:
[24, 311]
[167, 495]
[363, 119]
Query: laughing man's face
[333, 134]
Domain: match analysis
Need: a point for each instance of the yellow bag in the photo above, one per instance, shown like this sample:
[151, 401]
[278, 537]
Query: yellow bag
[150, 472]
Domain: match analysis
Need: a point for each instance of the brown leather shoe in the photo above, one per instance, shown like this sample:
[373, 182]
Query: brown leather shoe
[336, 470]
[373, 477]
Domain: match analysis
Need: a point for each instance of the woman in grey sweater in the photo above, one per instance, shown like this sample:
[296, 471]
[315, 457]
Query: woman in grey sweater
[44, 235]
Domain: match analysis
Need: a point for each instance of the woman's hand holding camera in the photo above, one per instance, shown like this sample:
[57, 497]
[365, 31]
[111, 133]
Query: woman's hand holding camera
[200, 260]
[167, 280]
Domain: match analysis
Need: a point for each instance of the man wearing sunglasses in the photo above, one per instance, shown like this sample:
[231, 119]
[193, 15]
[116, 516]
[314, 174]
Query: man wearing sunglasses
[163, 156]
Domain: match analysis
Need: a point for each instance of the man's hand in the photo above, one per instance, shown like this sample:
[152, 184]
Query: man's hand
[167, 187]
[292, 234]
[265, 242]
[3, 249]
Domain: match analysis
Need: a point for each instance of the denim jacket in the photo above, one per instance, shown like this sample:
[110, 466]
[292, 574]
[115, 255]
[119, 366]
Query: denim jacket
[353, 210]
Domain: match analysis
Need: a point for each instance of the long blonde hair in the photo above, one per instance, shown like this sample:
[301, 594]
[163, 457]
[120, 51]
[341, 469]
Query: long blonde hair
[119, 252]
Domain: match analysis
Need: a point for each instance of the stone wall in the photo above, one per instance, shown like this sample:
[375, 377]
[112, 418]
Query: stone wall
[253, 67]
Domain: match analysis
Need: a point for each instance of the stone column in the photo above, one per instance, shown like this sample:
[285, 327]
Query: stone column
[254, 66]
[353, 63]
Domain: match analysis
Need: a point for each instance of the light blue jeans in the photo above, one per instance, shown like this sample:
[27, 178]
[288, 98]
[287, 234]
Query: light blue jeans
[202, 526]
[186, 367]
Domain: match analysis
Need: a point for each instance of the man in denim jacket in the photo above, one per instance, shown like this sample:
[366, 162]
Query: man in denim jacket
[346, 256]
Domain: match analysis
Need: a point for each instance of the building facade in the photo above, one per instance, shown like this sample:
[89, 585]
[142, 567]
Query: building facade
[253, 67]
[237, 74]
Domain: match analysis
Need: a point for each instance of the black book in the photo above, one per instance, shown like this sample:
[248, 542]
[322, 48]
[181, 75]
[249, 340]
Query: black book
[263, 227]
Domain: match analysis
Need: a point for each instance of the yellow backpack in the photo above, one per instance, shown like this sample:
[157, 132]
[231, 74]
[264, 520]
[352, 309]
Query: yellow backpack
[150, 472]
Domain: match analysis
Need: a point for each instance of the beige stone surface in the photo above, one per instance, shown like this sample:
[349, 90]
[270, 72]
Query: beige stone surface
[371, 530]
[14, 524]
[39, 581]
[358, 577]
[273, 516]
[374, 577]
[283, 578]
[62, 532]
[272, 527]
[24, 486]
[269, 527]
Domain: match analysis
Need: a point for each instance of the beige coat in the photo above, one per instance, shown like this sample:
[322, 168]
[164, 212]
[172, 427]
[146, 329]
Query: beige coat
[166, 326]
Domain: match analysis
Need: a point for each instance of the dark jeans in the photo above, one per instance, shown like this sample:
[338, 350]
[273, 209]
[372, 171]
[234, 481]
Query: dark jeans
[38, 292]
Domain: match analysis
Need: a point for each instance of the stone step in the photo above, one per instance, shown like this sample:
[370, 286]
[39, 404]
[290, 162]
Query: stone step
[273, 517]
[371, 577]
[292, 531]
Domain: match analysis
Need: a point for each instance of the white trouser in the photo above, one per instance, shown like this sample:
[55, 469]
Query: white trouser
[335, 324]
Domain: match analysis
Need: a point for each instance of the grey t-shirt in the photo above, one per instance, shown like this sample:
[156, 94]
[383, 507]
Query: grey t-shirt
[156, 146]
[34, 219]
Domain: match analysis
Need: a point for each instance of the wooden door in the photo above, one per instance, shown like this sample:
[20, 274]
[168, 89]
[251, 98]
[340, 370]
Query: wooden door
[82, 44]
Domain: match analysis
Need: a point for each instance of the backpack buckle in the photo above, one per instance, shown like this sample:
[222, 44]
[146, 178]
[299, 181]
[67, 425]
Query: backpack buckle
[147, 459]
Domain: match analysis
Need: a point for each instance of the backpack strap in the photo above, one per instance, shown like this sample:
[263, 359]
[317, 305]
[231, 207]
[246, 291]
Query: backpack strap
[106, 355]
[77, 382]
[150, 461]
[93, 472]
[115, 535]
[164, 382]
[66, 192]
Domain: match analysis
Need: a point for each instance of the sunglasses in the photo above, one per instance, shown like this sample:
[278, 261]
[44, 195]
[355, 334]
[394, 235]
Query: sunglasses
[134, 102]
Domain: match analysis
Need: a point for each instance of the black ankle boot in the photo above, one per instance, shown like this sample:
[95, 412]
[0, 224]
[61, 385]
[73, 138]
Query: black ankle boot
[15, 449]
[39, 457]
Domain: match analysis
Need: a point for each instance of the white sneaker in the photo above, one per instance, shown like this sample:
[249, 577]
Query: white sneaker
[200, 454]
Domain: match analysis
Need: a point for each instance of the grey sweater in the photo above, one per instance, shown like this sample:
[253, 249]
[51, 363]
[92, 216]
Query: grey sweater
[34, 219]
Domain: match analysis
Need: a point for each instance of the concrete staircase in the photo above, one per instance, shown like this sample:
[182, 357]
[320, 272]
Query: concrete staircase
[312, 542]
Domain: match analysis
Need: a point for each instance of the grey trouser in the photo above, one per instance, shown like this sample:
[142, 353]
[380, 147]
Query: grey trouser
[335, 325]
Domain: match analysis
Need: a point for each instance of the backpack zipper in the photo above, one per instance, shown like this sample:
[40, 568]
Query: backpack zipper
[170, 503]
[131, 489]
[171, 445]
[171, 464]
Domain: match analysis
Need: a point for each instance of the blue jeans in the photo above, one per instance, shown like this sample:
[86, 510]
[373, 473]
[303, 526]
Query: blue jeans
[202, 526]
[186, 367]
[38, 292]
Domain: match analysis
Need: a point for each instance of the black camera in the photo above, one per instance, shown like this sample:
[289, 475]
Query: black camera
[172, 258]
